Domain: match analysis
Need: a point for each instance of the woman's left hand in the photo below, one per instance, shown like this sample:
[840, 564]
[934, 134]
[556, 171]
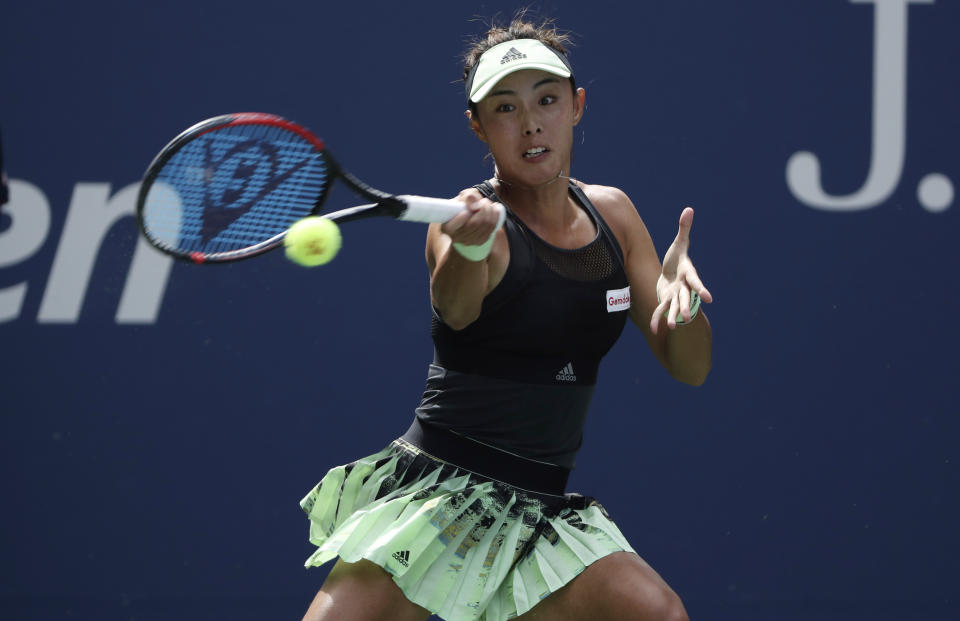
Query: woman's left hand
[678, 278]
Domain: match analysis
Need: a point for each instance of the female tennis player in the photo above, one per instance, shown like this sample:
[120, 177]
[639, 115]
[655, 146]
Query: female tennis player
[466, 515]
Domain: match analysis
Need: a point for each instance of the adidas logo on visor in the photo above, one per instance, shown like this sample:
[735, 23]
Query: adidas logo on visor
[512, 54]
[566, 374]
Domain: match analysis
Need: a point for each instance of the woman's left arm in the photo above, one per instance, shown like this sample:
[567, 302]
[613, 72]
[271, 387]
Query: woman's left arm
[661, 293]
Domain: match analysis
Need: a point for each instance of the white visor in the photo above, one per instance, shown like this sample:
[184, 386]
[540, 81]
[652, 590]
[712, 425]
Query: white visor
[515, 55]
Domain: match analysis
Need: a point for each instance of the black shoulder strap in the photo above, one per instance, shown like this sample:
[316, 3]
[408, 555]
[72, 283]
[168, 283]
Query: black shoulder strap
[605, 229]
[487, 190]
[521, 254]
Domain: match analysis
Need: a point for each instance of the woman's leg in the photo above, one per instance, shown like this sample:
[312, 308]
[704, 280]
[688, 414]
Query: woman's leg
[620, 586]
[362, 591]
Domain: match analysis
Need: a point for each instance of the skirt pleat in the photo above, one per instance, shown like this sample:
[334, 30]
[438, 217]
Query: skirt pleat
[459, 544]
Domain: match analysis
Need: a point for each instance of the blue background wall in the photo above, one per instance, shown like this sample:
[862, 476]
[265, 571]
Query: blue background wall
[152, 465]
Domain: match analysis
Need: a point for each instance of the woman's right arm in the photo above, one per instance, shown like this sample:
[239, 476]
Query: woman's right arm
[457, 284]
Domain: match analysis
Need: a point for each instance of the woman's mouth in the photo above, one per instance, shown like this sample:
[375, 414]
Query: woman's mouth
[534, 152]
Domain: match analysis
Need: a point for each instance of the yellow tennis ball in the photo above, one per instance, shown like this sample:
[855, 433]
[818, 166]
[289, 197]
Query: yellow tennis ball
[312, 241]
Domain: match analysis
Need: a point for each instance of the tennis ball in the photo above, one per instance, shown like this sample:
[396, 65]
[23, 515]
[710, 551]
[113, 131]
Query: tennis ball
[312, 241]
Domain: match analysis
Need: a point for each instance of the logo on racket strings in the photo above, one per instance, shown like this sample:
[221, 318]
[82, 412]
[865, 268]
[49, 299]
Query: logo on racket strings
[233, 185]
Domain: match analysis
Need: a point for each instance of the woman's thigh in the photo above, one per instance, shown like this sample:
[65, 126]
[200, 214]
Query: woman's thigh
[362, 591]
[620, 586]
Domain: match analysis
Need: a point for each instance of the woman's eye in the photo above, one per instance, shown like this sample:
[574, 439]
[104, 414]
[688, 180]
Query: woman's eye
[504, 108]
[547, 100]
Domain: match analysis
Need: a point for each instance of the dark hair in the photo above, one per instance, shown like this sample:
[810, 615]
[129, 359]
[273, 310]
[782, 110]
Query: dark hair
[546, 32]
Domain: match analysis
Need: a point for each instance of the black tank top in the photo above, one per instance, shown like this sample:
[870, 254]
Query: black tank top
[521, 376]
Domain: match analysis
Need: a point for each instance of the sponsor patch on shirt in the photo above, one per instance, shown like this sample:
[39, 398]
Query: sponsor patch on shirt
[618, 300]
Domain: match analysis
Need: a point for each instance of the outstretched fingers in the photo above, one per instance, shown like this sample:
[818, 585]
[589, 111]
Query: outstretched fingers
[686, 223]
[695, 284]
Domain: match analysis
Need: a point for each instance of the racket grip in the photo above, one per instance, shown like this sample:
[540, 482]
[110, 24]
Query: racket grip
[426, 209]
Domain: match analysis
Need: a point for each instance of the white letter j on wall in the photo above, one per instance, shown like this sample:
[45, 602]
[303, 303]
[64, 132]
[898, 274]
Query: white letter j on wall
[889, 124]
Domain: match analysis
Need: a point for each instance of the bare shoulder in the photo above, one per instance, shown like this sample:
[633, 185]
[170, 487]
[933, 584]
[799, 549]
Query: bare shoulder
[616, 208]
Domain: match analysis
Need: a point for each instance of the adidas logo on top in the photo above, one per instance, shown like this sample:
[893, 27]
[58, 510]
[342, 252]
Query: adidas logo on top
[512, 54]
[403, 557]
[566, 374]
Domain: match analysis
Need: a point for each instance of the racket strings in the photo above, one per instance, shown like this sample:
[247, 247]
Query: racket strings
[234, 187]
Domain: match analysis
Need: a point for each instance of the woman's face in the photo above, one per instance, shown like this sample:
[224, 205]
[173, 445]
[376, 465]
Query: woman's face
[527, 120]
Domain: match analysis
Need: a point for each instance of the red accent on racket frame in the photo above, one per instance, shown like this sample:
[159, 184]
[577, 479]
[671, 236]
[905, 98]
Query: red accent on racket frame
[262, 118]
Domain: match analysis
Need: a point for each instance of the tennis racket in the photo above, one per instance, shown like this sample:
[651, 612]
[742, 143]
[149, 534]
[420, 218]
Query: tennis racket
[229, 187]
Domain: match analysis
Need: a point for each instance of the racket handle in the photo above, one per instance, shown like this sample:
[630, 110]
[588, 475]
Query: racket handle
[426, 209]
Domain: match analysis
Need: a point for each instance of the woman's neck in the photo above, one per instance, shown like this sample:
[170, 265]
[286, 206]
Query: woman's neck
[547, 208]
[546, 198]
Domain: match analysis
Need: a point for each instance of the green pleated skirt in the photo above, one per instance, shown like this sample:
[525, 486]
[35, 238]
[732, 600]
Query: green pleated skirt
[457, 543]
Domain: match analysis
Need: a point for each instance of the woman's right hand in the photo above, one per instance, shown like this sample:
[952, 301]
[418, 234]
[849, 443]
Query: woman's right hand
[476, 223]
[458, 284]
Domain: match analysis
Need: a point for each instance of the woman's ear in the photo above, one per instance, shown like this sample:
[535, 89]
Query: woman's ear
[579, 105]
[475, 126]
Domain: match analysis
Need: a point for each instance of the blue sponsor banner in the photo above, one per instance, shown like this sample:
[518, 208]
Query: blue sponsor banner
[161, 421]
